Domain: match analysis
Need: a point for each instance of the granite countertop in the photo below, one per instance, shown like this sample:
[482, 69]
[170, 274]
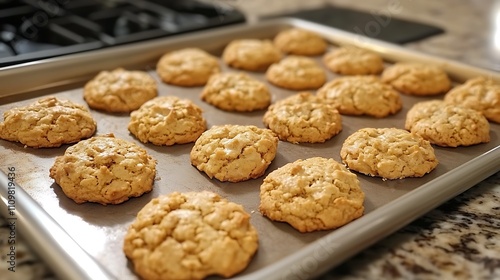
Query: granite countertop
[458, 240]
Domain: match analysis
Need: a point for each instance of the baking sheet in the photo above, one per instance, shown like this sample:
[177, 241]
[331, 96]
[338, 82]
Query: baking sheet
[283, 253]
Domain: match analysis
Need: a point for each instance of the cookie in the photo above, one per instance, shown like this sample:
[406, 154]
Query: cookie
[119, 91]
[48, 122]
[236, 92]
[251, 54]
[479, 93]
[187, 67]
[105, 170]
[312, 194]
[303, 117]
[167, 120]
[300, 42]
[390, 153]
[417, 79]
[190, 236]
[362, 95]
[353, 61]
[234, 153]
[447, 125]
[296, 73]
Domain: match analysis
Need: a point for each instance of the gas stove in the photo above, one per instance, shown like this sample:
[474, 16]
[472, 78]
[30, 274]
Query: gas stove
[31, 30]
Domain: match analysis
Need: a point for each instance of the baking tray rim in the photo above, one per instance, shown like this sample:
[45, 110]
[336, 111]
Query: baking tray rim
[97, 60]
[296, 266]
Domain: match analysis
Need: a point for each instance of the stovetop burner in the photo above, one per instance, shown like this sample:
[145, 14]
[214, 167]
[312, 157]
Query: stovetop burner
[36, 29]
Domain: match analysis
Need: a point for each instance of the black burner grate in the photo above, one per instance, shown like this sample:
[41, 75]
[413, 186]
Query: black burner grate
[36, 29]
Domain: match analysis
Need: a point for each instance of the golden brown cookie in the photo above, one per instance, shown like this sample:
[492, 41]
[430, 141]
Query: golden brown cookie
[300, 42]
[105, 170]
[362, 95]
[390, 153]
[312, 194]
[190, 236]
[167, 120]
[251, 54]
[303, 117]
[479, 93]
[447, 125]
[236, 92]
[417, 78]
[187, 67]
[353, 61]
[48, 122]
[296, 73]
[119, 91]
[234, 153]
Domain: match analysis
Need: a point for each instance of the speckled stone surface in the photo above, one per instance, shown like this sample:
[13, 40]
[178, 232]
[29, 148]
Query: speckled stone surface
[460, 239]
[27, 267]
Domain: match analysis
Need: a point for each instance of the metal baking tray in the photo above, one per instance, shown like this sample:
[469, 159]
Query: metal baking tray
[85, 241]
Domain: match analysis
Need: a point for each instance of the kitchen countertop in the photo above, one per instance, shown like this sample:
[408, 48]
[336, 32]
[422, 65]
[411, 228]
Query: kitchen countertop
[458, 240]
